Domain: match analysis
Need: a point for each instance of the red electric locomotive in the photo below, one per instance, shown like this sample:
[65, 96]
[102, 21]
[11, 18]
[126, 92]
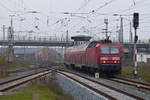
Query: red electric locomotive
[106, 58]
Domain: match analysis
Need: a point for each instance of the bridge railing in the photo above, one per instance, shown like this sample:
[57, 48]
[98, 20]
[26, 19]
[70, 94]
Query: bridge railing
[48, 39]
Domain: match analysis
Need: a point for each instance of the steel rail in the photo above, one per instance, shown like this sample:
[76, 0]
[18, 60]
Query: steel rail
[133, 83]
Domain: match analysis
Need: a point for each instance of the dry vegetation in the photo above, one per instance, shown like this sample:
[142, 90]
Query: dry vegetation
[143, 70]
[3, 69]
[6, 68]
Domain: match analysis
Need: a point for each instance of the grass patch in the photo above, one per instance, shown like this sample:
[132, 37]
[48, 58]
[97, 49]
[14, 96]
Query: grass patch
[45, 91]
[14, 67]
[28, 93]
[146, 76]
[6, 68]
[127, 72]
[143, 71]
[3, 72]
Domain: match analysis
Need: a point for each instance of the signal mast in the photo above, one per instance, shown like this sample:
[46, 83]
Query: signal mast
[106, 33]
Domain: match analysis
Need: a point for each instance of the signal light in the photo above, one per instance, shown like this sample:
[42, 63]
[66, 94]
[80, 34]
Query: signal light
[136, 20]
[136, 39]
[104, 62]
[115, 61]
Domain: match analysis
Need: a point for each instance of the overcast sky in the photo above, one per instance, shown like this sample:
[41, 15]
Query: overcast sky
[51, 22]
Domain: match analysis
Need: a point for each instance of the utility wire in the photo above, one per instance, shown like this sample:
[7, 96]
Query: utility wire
[12, 11]
[133, 5]
[130, 7]
[83, 5]
[107, 3]
[2, 5]
[14, 2]
[104, 5]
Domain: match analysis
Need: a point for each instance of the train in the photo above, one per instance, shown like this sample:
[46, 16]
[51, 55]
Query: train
[95, 56]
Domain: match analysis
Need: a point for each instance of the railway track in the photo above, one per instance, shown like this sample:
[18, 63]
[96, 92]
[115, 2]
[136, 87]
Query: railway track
[8, 85]
[138, 85]
[108, 92]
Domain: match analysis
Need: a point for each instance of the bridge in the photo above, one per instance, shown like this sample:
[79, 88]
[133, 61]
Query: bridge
[36, 43]
[57, 43]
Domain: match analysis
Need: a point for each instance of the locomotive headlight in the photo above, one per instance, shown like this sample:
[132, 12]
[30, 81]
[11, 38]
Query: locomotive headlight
[104, 58]
[115, 58]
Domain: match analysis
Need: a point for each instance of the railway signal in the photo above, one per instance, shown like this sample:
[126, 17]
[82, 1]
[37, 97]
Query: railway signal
[135, 25]
[136, 20]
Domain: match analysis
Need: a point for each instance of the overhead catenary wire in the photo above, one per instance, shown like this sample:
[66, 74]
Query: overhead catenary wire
[83, 5]
[94, 11]
[15, 13]
[107, 14]
[107, 3]
[104, 5]
[21, 13]
[5, 7]
[14, 3]
[88, 14]
[131, 7]
[41, 13]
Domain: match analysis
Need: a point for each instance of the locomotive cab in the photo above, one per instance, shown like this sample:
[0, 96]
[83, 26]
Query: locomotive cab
[110, 58]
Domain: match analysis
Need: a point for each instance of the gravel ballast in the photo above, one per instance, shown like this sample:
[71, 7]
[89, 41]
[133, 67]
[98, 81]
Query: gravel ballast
[78, 91]
[126, 89]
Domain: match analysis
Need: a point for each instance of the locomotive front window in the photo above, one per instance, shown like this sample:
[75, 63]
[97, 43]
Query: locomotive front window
[110, 50]
[105, 50]
[114, 50]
